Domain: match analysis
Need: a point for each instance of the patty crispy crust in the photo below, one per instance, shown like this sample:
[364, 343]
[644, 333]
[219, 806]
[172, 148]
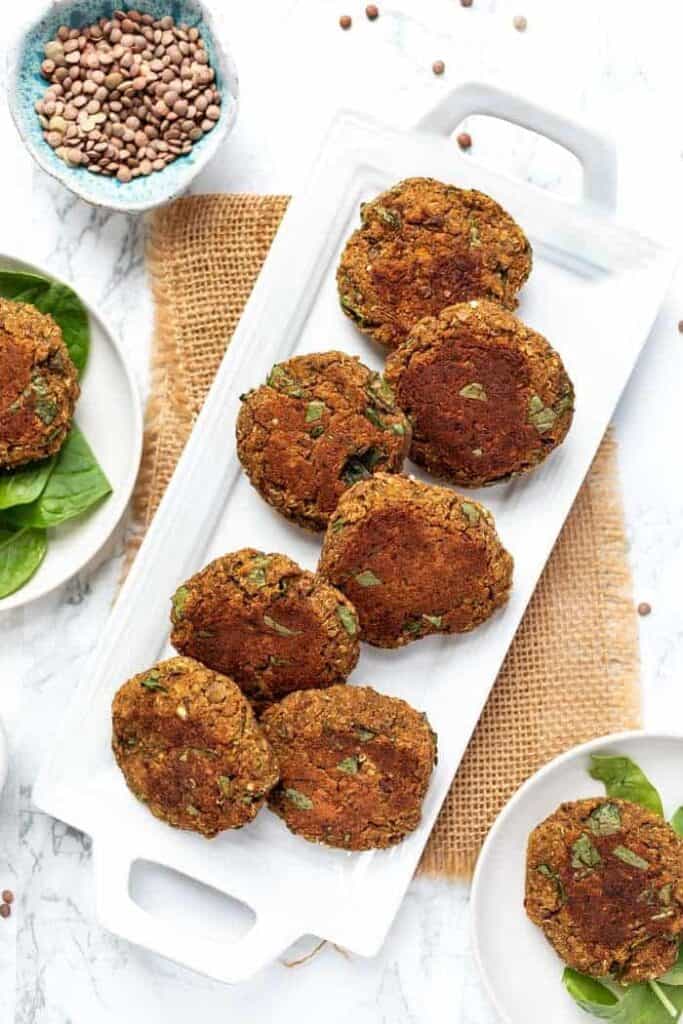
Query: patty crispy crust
[414, 559]
[267, 623]
[424, 245]
[319, 424]
[487, 396]
[38, 385]
[190, 748]
[354, 766]
[604, 880]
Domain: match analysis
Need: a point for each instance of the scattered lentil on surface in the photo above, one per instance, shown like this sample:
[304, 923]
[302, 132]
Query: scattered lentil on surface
[372, 11]
[464, 140]
[519, 22]
[128, 95]
[345, 21]
[5, 910]
[8, 896]
[644, 608]
[438, 67]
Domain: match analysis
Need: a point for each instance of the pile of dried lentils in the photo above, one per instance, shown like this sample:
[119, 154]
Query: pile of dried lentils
[127, 95]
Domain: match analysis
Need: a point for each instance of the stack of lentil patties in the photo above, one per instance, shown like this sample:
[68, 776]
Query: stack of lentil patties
[472, 395]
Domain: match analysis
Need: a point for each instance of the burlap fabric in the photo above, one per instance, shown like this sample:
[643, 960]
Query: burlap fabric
[572, 671]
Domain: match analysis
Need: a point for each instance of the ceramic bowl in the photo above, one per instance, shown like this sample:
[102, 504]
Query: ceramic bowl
[26, 85]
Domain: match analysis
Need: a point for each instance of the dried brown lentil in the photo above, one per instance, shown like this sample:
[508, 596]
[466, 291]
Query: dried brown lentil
[345, 21]
[464, 140]
[644, 608]
[127, 79]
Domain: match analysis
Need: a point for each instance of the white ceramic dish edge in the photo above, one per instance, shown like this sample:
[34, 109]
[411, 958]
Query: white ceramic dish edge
[121, 496]
[114, 854]
[612, 740]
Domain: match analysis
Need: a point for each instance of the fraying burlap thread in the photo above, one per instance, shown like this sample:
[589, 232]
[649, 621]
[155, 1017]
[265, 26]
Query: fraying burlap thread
[572, 671]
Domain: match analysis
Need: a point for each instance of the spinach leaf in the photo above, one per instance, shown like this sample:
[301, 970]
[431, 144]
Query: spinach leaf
[674, 976]
[650, 1003]
[21, 486]
[21, 552]
[677, 821]
[624, 779]
[57, 299]
[76, 484]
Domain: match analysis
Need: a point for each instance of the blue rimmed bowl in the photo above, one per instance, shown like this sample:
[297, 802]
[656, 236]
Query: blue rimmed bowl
[26, 85]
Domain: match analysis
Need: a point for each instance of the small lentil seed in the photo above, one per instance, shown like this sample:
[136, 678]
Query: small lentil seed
[134, 83]
[372, 11]
[438, 67]
[5, 910]
[466, 3]
[345, 21]
[644, 608]
[519, 22]
[464, 140]
[680, 326]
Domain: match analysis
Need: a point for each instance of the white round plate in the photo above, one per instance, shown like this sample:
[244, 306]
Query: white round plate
[109, 413]
[521, 971]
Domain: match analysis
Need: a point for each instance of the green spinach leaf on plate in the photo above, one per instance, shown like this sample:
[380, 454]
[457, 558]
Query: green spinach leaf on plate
[21, 552]
[26, 484]
[677, 821]
[624, 780]
[647, 1003]
[60, 301]
[76, 484]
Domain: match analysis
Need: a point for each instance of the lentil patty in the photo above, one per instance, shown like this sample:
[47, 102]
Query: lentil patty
[488, 398]
[190, 748]
[422, 246]
[604, 880]
[354, 766]
[267, 623]
[414, 559]
[320, 423]
[38, 385]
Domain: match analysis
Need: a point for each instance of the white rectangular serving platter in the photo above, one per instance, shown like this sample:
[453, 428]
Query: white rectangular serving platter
[594, 292]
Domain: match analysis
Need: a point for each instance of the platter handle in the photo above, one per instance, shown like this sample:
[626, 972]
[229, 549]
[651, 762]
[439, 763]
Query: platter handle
[594, 149]
[229, 961]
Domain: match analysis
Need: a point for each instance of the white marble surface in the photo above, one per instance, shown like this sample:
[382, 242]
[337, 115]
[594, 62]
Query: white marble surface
[617, 62]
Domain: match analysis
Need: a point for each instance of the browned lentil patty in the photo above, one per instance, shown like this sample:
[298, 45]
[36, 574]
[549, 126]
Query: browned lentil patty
[488, 398]
[414, 559]
[190, 748]
[38, 385]
[424, 245]
[354, 766]
[320, 423]
[267, 623]
[604, 881]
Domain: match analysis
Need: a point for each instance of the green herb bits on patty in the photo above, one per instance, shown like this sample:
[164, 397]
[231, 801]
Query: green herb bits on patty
[318, 425]
[267, 623]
